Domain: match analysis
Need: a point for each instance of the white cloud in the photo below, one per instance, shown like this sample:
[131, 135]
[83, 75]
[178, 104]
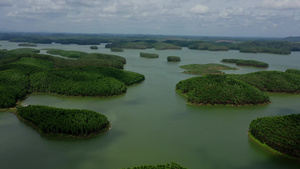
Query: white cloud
[281, 4]
[199, 9]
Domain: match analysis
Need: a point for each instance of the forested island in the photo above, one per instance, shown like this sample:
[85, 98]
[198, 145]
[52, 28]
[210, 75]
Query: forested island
[173, 59]
[242, 62]
[23, 72]
[235, 89]
[203, 69]
[149, 55]
[280, 133]
[50, 121]
[220, 89]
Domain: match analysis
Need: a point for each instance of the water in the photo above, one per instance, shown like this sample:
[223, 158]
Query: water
[151, 123]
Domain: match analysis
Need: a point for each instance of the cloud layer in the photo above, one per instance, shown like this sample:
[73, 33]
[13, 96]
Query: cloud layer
[191, 17]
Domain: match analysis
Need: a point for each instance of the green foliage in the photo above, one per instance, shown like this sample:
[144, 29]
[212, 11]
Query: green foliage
[93, 47]
[117, 49]
[90, 59]
[68, 54]
[279, 132]
[173, 59]
[164, 46]
[202, 69]
[276, 47]
[31, 72]
[208, 46]
[84, 81]
[57, 121]
[149, 55]
[272, 81]
[173, 165]
[242, 62]
[294, 71]
[13, 86]
[220, 89]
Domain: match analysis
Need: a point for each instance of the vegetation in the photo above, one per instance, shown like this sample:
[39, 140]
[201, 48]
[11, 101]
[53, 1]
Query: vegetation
[99, 58]
[160, 166]
[281, 133]
[149, 55]
[294, 71]
[173, 59]
[164, 46]
[220, 89]
[21, 74]
[56, 121]
[202, 69]
[84, 81]
[272, 81]
[242, 62]
[27, 44]
[117, 49]
[208, 46]
[94, 47]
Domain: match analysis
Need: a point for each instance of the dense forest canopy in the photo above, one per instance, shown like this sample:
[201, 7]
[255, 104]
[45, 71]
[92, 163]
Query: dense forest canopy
[23, 73]
[279, 132]
[66, 122]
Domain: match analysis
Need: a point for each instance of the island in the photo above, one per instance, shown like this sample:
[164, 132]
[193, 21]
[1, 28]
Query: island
[220, 90]
[149, 55]
[173, 59]
[51, 121]
[26, 73]
[272, 81]
[203, 69]
[94, 47]
[280, 134]
[242, 62]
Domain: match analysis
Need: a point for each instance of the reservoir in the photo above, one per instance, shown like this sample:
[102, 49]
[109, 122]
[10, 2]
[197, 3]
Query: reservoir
[152, 124]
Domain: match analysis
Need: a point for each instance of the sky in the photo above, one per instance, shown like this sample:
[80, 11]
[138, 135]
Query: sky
[238, 18]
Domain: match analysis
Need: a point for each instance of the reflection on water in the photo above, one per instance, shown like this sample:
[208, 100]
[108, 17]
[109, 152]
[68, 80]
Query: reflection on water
[152, 124]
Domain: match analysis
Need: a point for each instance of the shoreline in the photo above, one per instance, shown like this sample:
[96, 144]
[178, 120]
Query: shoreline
[270, 149]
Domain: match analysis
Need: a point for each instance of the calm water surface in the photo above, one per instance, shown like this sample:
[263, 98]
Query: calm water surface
[151, 123]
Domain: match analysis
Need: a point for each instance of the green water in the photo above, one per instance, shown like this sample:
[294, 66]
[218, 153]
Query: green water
[152, 124]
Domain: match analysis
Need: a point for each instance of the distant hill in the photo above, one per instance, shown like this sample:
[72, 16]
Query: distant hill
[292, 39]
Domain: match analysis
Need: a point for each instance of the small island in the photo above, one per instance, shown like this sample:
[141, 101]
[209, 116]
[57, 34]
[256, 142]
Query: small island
[172, 165]
[117, 49]
[149, 55]
[241, 62]
[279, 134]
[203, 69]
[220, 89]
[94, 47]
[173, 59]
[52, 121]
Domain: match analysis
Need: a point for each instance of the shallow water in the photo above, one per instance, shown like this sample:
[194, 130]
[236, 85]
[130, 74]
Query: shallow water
[151, 123]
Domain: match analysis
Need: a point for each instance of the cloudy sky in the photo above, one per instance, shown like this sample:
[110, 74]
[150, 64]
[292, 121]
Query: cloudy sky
[252, 18]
